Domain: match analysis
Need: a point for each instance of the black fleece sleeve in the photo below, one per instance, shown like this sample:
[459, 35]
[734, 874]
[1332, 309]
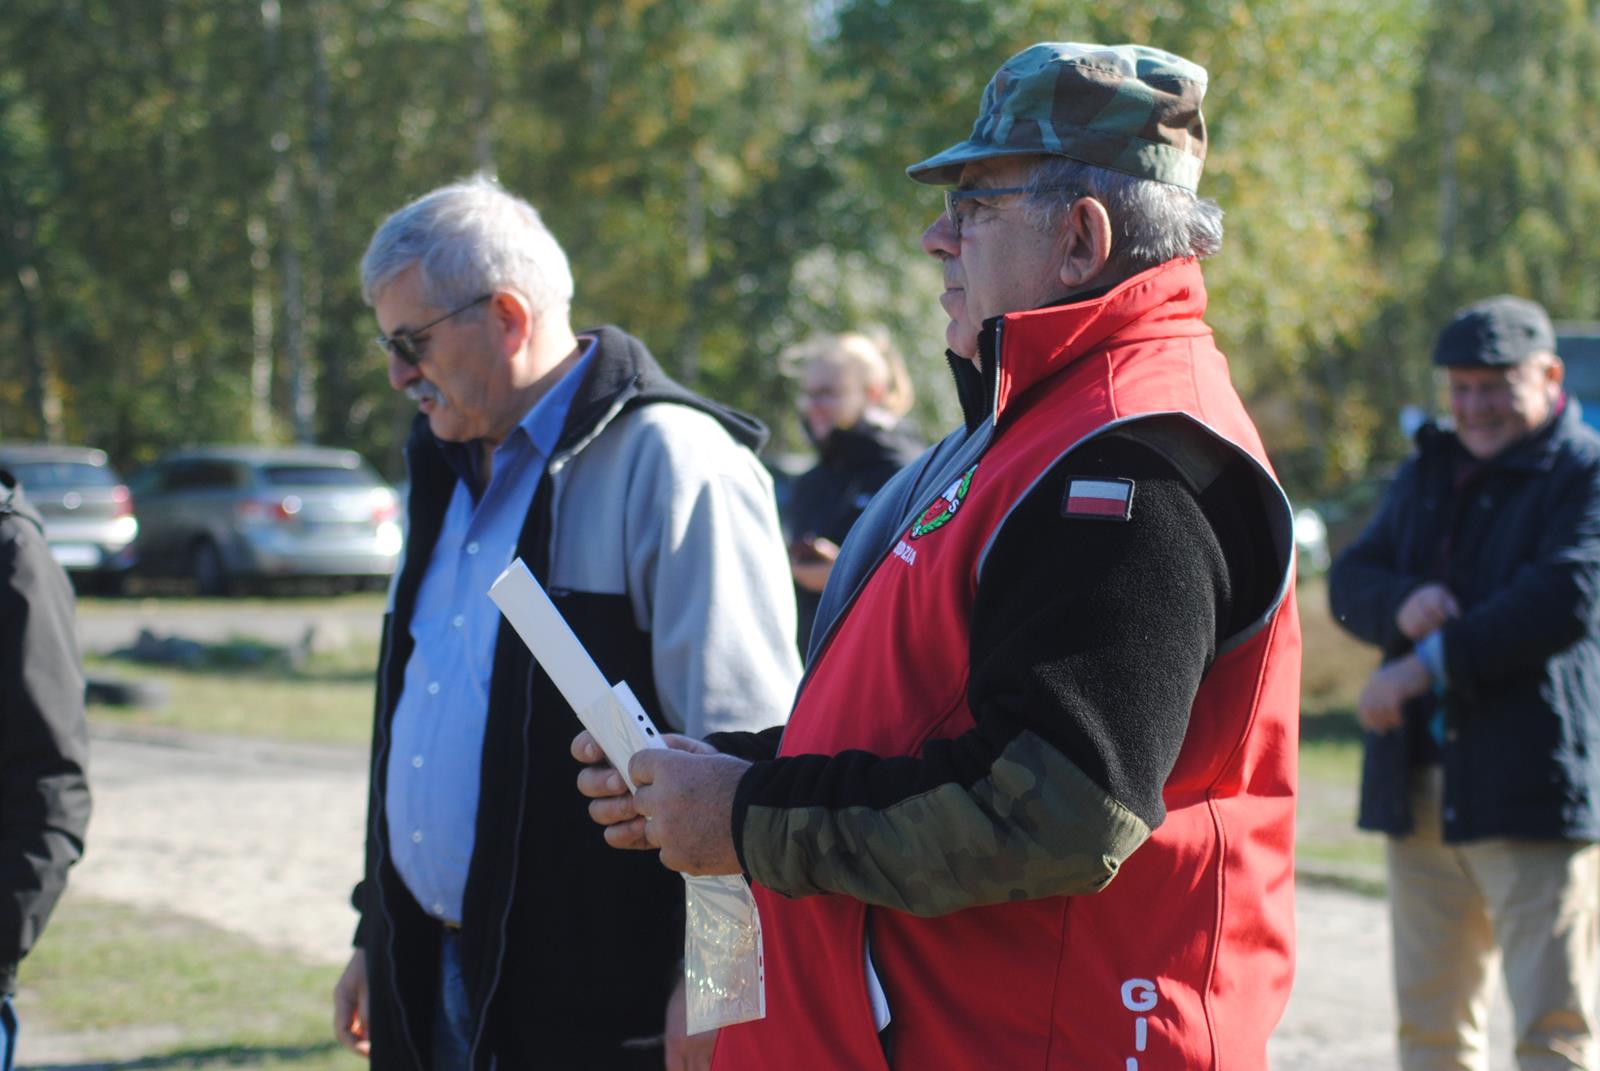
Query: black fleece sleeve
[1089, 640]
[752, 747]
[44, 794]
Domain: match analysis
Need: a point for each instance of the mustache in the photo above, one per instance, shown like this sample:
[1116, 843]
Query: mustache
[422, 390]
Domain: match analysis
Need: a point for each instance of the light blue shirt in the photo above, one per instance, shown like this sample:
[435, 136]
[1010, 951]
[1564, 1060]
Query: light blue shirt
[436, 739]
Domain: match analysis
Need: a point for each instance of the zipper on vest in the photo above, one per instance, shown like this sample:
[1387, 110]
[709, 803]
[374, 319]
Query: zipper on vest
[381, 845]
[994, 395]
[543, 536]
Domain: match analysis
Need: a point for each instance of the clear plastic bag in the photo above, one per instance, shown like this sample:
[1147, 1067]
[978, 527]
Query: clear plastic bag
[724, 973]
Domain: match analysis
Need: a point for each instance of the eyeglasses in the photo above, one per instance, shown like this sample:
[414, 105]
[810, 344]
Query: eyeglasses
[403, 344]
[954, 197]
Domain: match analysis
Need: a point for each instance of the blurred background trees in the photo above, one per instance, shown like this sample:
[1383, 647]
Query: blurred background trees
[186, 187]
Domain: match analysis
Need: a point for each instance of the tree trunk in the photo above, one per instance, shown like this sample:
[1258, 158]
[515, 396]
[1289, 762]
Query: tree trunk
[483, 102]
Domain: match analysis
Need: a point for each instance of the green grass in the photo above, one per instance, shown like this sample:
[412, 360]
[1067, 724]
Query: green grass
[1334, 669]
[177, 599]
[249, 689]
[143, 989]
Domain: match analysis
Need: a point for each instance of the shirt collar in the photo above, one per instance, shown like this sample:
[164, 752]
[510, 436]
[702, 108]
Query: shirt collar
[540, 426]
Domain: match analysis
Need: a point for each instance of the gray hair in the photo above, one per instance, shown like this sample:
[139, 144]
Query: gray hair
[1151, 222]
[469, 239]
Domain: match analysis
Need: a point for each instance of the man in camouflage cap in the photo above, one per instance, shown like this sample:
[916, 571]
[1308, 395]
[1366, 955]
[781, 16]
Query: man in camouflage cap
[1480, 580]
[1034, 807]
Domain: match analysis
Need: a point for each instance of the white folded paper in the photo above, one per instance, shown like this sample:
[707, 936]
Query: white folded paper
[724, 969]
[610, 712]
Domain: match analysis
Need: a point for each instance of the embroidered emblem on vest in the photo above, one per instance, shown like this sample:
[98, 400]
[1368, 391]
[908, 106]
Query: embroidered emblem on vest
[1106, 500]
[938, 515]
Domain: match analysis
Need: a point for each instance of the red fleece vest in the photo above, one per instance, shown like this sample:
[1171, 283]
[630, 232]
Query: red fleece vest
[1184, 960]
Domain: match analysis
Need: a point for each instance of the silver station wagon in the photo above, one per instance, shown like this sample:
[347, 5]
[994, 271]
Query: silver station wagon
[222, 515]
[87, 510]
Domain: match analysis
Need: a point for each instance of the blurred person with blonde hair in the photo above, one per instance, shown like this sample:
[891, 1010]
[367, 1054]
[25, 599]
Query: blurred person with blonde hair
[854, 394]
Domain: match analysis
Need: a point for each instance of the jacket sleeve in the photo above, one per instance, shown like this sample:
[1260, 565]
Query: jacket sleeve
[707, 570]
[1089, 641]
[44, 793]
[1367, 583]
[751, 747]
[1551, 601]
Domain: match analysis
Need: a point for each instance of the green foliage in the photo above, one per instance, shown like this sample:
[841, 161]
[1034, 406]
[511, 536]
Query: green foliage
[186, 189]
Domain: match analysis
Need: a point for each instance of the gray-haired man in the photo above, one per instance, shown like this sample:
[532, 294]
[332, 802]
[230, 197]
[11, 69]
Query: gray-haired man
[496, 930]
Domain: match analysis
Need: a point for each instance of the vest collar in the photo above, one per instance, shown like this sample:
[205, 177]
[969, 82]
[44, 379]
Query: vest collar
[1020, 350]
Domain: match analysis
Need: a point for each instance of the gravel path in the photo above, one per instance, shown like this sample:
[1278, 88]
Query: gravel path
[261, 839]
[265, 840]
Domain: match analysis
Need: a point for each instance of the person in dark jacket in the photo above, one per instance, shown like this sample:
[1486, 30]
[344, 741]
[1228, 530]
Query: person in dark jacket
[44, 743]
[1480, 580]
[854, 394]
[496, 929]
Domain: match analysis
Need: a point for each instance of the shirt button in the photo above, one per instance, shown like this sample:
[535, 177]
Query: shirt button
[458, 621]
[416, 760]
[472, 548]
[433, 687]
[416, 838]
[438, 909]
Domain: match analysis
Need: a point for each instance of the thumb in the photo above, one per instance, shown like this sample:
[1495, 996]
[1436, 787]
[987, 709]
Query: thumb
[641, 769]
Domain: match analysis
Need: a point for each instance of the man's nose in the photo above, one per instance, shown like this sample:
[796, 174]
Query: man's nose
[940, 239]
[402, 373]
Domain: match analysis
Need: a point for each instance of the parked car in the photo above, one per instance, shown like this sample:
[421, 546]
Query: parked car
[87, 509]
[223, 514]
[1578, 346]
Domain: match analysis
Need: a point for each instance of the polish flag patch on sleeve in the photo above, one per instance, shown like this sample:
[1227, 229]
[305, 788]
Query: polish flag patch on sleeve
[1099, 499]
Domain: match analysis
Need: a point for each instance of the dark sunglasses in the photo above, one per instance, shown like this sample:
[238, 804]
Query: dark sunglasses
[403, 344]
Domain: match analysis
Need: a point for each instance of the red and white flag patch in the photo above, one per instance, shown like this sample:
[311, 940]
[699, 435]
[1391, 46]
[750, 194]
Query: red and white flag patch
[1099, 499]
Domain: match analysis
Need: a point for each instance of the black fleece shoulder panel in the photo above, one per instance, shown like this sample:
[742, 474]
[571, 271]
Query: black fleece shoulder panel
[1095, 633]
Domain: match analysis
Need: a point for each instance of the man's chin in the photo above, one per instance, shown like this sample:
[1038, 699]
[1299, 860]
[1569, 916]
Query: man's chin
[444, 429]
[962, 343]
[1484, 445]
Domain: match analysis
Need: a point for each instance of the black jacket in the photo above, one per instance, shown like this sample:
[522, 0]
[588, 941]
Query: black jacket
[1519, 546]
[569, 947]
[44, 745]
[852, 463]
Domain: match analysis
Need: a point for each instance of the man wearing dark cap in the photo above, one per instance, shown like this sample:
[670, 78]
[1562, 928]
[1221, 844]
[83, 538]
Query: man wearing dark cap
[1034, 808]
[1480, 579]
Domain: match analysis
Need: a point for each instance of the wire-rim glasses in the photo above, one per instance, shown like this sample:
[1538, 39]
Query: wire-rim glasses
[954, 196]
[403, 344]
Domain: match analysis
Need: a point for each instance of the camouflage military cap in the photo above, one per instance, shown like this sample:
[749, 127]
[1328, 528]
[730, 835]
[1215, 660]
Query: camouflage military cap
[1126, 108]
[1496, 331]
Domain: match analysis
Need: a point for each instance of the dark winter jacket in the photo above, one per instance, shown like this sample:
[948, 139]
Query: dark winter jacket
[1519, 546]
[852, 463]
[44, 745]
[653, 528]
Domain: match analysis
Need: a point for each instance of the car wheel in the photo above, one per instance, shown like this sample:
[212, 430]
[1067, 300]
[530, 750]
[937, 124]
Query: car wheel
[209, 572]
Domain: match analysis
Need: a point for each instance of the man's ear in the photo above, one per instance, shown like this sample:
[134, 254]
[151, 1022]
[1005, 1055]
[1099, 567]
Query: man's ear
[1556, 373]
[513, 320]
[1085, 244]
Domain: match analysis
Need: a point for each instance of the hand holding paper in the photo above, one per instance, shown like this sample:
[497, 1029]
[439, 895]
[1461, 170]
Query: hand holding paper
[686, 793]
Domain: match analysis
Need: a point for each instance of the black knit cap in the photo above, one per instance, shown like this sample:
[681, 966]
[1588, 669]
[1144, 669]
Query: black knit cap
[1494, 332]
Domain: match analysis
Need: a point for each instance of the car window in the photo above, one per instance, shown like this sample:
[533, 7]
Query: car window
[316, 476]
[201, 475]
[54, 475]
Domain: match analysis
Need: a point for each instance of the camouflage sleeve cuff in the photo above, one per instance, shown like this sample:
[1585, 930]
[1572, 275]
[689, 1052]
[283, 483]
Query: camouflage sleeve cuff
[1033, 826]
